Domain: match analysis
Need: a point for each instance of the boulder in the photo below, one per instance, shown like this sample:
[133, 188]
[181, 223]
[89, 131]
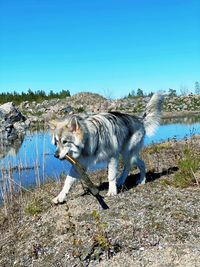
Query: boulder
[10, 113]
[12, 123]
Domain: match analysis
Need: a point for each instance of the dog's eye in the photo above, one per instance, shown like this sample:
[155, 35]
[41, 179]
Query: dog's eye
[64, 142]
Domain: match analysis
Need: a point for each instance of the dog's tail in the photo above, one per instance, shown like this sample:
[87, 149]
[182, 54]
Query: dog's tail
[152, 114]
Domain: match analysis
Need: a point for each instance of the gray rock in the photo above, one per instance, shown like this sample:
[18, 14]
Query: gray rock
[12, 123]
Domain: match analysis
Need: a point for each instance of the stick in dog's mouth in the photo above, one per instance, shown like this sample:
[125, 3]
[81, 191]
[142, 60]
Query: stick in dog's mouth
[92, 188]
[83, 174]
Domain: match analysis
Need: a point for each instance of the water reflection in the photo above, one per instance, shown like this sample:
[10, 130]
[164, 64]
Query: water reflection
[183, 120]
[11, 148]
[34, 160]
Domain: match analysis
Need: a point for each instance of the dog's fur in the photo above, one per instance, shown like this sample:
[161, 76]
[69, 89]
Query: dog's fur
[103, 137]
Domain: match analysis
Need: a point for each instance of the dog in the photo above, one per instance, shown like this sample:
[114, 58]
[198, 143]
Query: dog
[102, 138]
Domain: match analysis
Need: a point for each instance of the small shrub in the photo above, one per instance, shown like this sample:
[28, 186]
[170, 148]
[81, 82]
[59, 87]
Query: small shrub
[187, 165]
[101, 243]
[34, 207]
[101, 235]
[79, 110]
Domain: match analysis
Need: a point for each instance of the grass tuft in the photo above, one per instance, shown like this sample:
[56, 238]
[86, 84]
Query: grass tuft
[187, 165]
[34, 207]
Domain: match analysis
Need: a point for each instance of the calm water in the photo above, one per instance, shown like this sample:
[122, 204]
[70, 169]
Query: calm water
[35, 152]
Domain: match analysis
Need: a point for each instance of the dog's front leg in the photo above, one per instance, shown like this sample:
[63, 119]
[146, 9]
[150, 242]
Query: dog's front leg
[72, 177]
[112, 174]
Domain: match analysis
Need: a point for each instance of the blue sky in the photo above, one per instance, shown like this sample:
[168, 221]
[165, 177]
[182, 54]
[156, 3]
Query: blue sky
[110, 47]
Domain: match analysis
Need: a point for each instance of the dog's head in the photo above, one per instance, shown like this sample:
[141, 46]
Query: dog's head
[68, 136]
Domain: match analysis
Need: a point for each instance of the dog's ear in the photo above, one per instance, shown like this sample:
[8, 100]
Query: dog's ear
[74, 124]
[52, 124]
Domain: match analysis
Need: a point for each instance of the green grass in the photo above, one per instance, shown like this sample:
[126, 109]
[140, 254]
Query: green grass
[34, 206]
[157, 148]
[187, 165]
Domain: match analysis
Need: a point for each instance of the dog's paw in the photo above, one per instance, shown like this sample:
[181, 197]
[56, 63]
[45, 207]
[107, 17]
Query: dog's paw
[112, 190]
[111, 193]
[141, 182]
[59, 200]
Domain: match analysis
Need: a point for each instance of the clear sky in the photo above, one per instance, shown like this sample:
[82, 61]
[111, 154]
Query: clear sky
[108, 46]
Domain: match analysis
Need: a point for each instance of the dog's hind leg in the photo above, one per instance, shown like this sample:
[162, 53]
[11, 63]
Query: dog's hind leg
[133, 161]
[112, 175]
[121, 180]
[72, 177]
[141, 165]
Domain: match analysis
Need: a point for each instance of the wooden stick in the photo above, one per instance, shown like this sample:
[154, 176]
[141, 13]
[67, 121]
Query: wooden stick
[197, 182]
[83, 174]
[91, 187]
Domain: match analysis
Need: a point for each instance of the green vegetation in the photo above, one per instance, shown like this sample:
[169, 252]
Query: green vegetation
[172, 92]
[101, 242]
[138, 94]
[37, 96]
[79, 110]
[34, 207]
[157, 148]
[187, 165]
[100, 237]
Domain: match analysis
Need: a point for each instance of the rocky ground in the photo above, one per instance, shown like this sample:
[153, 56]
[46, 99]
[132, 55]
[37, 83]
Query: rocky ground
[15, 120]
[12, 123]
[40, 113]
[156, 225]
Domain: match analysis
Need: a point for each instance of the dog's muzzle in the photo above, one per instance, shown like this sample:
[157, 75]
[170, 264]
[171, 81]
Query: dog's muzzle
[56, 154]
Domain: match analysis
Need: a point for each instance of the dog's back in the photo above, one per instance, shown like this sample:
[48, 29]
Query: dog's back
[109, 134]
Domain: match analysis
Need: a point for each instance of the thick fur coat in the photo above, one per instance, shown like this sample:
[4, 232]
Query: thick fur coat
[103, 137]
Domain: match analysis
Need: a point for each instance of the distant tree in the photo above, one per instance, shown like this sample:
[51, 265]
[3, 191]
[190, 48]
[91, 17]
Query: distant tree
[51, 94]
[30, 92]
[131, 94]
[150, 94]
[197, 87]
[38, 96]
[172, 92]
[140, 92]
[64, 93]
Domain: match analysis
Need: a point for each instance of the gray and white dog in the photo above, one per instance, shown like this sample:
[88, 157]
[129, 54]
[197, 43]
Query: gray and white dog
[102, 138]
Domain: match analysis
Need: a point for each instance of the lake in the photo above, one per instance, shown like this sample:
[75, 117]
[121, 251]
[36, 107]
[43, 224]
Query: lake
[30, 160]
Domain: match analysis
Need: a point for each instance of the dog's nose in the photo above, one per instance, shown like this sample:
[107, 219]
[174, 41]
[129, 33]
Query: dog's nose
[56, 155]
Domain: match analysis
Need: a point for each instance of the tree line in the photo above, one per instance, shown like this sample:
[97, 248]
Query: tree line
[30, 95]
[171, 92]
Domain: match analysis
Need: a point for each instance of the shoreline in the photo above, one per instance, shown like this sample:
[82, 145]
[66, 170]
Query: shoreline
[179, 114]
